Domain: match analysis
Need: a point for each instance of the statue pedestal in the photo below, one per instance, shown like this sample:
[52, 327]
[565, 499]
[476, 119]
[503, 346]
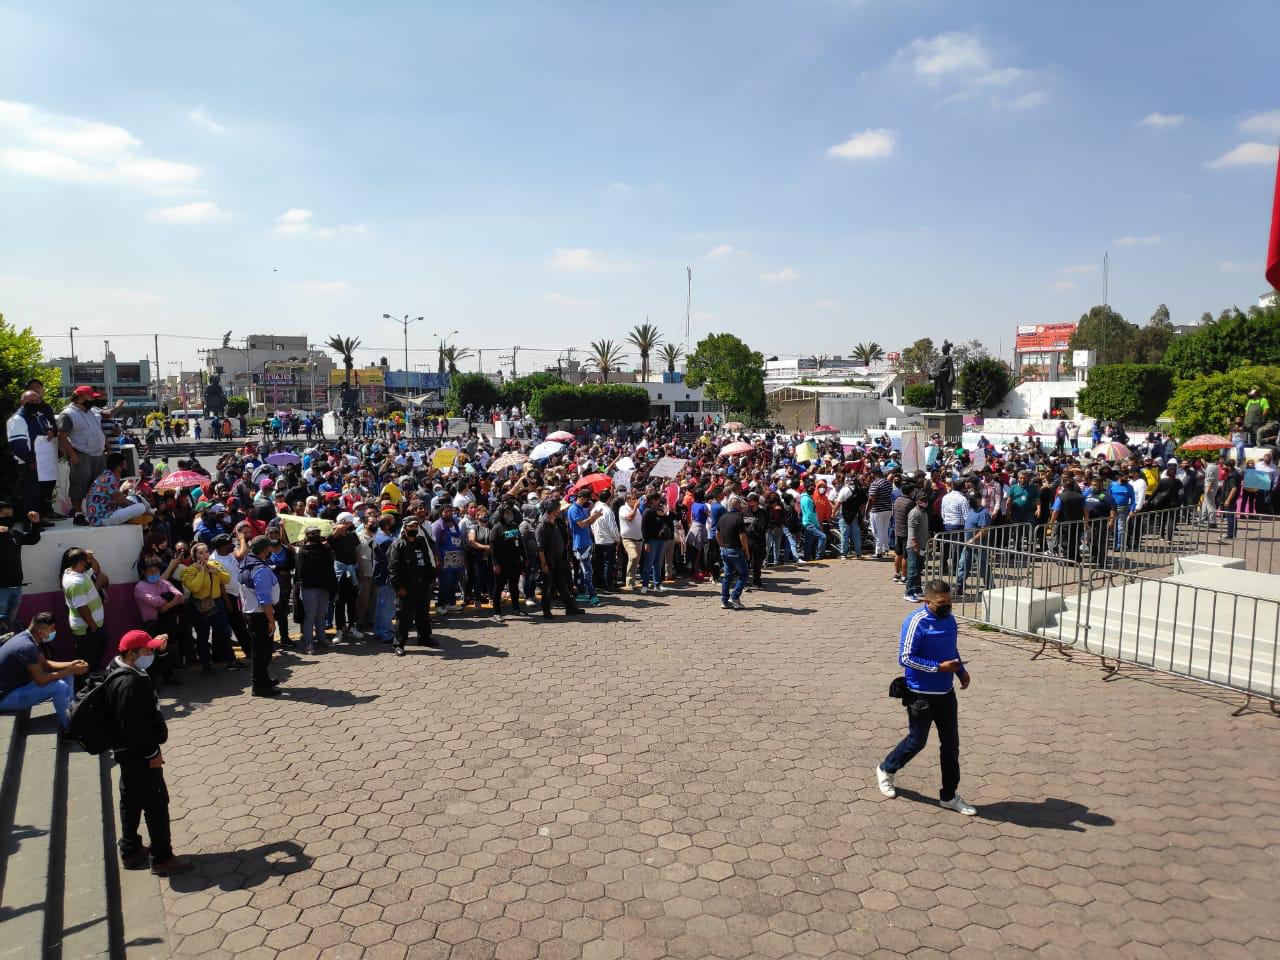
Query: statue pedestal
[949, 424]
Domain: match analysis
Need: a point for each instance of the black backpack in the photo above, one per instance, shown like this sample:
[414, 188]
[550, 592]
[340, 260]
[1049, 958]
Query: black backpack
[89, 720]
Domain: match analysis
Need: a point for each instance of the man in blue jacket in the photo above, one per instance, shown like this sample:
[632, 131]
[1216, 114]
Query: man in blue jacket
[930, 662]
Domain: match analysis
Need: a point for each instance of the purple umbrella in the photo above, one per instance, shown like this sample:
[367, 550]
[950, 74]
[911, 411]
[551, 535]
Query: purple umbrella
[283, 459]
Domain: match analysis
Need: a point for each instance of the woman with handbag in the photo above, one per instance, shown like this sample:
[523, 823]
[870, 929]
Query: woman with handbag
[206, 583]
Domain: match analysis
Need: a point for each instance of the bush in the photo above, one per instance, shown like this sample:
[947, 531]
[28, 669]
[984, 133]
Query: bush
[520, 390]
[1134, 393]
[983, 382]
[918, 395]
[473, 388]
[237, 406]
[615, 402]
[1211, 402]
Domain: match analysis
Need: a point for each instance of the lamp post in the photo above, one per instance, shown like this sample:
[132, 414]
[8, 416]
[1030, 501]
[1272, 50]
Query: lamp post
[443, 340]
[404, 323]
[73, 344]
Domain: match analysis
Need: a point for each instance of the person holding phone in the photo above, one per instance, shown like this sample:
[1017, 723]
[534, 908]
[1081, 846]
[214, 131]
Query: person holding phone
[930, 662]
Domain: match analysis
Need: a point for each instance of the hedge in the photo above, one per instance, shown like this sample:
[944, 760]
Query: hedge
[919, 395]
[1134, 393]
[616, 402]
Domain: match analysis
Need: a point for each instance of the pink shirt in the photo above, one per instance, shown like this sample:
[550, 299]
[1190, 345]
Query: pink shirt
[149, 597]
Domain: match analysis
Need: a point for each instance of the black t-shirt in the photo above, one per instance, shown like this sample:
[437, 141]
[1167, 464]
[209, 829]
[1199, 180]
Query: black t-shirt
[730, 529]
[1070, 505]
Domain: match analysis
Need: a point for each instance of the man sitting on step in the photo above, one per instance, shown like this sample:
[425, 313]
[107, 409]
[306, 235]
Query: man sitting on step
[27, 677]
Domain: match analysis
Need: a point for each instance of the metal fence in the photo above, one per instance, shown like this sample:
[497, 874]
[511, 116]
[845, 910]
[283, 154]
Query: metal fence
[1088, 586]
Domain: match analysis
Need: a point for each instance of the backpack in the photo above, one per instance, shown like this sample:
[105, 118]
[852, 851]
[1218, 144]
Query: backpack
[89, 722]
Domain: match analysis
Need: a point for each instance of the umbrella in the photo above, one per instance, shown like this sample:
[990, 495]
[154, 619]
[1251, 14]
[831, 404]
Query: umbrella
[283, 459]
[734, 425]
[1207, 441]
[512, 459]
[180, 479]
[1113, 450]
[564, 436]
[736, 449]
[545, 450]
[598, 482]
[825, 428]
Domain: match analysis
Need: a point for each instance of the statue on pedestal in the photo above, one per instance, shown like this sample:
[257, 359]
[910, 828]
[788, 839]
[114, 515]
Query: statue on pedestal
[944, 379]
[350, 398]
[215, 398]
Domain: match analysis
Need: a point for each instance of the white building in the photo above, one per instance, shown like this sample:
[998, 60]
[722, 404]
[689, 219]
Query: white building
[239, 365]
[880, 379]
[672, 397]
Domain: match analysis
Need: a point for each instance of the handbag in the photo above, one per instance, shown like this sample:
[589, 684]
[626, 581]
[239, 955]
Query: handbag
[204, 605]
[898, 688]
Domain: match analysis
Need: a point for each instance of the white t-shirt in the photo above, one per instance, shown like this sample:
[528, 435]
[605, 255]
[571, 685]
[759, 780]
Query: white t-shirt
[230, 564]
[629, 517]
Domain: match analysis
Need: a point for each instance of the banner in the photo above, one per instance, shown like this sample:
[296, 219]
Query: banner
[1257, 480]
[1043, 337]
[668, 467]
[296, 527]
[622, 480]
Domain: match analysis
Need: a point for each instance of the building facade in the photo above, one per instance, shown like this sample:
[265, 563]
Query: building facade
[130, 381]
[243, 366]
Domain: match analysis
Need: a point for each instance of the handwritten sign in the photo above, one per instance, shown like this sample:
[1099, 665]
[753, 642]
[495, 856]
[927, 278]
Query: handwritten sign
[668, 467]
[443, 459]
[622, 480]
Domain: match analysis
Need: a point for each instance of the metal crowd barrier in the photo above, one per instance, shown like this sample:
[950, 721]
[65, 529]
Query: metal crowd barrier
[1078, 590]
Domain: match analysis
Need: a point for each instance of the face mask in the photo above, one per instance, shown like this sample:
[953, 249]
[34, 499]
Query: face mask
[53, 635]
[942, 610]
[145, 661]
[153, 578]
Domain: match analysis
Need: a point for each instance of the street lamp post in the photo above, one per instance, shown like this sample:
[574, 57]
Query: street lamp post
[443, 340]
[404, 323]
[73, 344]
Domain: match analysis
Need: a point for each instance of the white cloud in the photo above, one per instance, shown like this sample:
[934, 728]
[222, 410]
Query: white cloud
[961, 62]
[1062, 286]
[1027, 101]
[1238, 266]
[294, 220]
[139, 297]
[1247, 154]
[1080, 268]
[1129, 240]
[567, 301]
[346, 228]
[584, 261]
[865, 145]
[785, 275]
[320, 286]
[201, 116]
[57, 146]
[722, 251]
[199, 212]
[1268, 122]
[1162, 121]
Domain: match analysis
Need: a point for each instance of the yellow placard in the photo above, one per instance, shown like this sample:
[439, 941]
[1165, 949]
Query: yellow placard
[296, 527]
[443, 458]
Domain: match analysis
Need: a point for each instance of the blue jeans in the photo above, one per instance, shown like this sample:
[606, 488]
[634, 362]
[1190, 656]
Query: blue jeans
[915, 565]
[448, 585]
[815, 540]
[10, 597]
[384, 609]
[971, 558]
[586, 580]
[934, 711]
[850, 535]
[735, 564]
[651, 569]
[1122, 523]
[29, 694]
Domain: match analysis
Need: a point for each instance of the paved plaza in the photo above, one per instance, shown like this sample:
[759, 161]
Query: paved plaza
[664, 778]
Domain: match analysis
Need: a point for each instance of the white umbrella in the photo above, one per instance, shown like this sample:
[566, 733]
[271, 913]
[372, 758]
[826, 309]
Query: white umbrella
[545, 450]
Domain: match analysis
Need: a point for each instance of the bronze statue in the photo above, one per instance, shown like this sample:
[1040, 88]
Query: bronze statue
[944, 379]
[215, 398]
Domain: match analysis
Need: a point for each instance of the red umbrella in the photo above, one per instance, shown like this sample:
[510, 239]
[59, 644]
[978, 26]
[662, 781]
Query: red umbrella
[1207, 441]
[825, 428]
[736, 449]
[181, 479]
[598, 482]
[562, 436]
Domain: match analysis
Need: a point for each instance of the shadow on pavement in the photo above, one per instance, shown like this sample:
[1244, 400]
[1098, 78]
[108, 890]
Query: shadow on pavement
[325, 696]
[1050, 813]
[242, 868]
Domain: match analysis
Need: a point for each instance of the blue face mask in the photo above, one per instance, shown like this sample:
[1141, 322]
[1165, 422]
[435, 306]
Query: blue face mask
[153, 578]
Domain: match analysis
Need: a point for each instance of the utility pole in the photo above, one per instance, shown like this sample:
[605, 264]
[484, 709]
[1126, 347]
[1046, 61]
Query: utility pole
[73, 344]
[688, 306]
[156, 337]
[404, 323]
[515, 351]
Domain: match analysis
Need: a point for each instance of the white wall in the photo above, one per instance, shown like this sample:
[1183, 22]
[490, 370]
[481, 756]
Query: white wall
[1032, 398]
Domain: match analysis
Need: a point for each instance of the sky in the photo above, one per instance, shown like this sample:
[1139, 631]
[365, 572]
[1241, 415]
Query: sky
[541, 174]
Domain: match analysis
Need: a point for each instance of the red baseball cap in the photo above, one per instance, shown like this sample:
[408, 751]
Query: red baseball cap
[86, 391]
[139, 640]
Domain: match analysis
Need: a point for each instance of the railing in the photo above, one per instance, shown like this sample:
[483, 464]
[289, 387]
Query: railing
[1084, 586]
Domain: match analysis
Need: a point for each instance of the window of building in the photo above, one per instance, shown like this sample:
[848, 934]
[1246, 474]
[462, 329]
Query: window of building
[710, 407]
[686, 406]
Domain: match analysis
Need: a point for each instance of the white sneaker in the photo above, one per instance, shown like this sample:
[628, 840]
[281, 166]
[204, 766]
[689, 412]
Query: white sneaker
[497, 618]
[959, 805]
[737, 604]
[355, 633]
[644, 589]
[885, 782]
[659, 589]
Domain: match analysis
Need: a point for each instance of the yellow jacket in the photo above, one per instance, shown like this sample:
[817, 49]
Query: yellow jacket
[207, 583]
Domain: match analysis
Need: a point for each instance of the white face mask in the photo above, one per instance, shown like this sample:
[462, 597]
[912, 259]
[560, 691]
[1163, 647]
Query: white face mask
[145, 661]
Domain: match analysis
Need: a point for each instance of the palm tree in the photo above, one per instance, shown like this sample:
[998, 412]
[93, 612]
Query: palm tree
[868, 353]
[670, 354]
[451, 356]
[346, 346]
[644, 336]
[606, 355]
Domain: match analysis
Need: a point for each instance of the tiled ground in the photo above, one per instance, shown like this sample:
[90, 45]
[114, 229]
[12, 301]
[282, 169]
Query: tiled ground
[666, 778]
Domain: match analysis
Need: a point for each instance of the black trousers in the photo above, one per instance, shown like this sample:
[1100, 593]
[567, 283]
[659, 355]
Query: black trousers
[413, 609]
[757, 563]
[344, 607]
[510, 579]
[922, 713]
[260, 651]
[557, 583]
[235, 620]
[143, 793]
[90, 647]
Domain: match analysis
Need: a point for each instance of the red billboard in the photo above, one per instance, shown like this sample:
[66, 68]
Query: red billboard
[1044, 337]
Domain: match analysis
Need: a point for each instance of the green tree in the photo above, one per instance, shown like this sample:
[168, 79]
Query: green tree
[1232, 340]
[919, 359]
[21, 359]
[983, 382]
[606, 356]
[473, 388]
[868, 353]
[451, 356]
[918, 395]
[670, 354]
[1209, 403]
[1105, 332]
[616, 402]
[346, 347]
[1151, 342]
[1160, 318]
[520, 389]
[962, 353]
[1133, 393]
[237, 405]
[644, 337]
[732, 372]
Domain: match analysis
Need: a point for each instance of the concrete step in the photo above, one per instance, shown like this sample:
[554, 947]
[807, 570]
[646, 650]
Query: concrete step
[86, 922]
[24, 900]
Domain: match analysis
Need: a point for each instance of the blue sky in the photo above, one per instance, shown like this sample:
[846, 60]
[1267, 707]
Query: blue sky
[541, 174]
